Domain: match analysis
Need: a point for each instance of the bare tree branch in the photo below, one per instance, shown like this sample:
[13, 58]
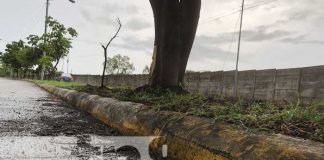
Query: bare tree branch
[103, 46]
[105, 51]
[116, 34]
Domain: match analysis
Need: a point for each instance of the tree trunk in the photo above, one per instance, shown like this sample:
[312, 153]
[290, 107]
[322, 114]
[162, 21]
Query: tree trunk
[104, 69]
[52, 74]
[175, 29]
[105, 51]
[24, 73]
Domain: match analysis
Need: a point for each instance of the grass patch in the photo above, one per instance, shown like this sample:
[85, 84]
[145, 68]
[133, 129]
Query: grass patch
[293, 119]
[61, 84]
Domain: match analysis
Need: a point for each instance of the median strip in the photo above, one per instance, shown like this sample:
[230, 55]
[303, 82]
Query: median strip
[190, 137]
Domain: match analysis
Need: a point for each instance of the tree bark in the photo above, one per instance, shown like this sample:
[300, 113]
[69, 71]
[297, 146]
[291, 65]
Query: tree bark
[175, 29]
[156, 62]
[190, 14]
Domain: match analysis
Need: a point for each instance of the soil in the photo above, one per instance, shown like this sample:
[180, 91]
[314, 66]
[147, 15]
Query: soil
[75, 122]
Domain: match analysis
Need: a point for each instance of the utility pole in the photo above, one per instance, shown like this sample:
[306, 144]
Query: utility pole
[45, 32]
[67, 65]
[238, 53]
[63, 65]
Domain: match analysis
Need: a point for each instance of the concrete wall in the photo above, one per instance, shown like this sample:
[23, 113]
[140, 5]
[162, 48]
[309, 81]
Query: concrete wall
[284, 84]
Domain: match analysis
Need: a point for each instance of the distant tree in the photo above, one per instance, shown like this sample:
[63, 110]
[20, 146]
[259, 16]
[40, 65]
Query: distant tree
[146, 70]
[4, 69]
[105, 48]
[24, 57]
[9, 57]
[15, 55]
[119, 65]
[55, 43]
[20, 56]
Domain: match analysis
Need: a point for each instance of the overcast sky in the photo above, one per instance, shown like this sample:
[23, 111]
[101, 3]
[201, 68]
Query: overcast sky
[276, 34]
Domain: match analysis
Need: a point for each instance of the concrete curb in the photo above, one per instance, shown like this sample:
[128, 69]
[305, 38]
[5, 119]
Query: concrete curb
[189, 137]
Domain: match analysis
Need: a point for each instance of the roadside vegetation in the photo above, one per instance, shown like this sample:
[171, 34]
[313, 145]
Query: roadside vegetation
[293, 119]
[25, 57]
[61, 84]
[4, 70]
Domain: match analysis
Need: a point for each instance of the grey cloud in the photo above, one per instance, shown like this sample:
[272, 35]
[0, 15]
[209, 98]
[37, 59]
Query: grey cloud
[260, 33]
[263, 35]
[132, 9]
[117, 8]
[300, 14]
[203, 52]
[206, 48]
[96, 19]
[134, 43]
[106, 14]
[212, 40]
[292, 15]
[301, 39]
[301, 10]
[137, 24]
[107, 20]
[101, 19]
[85, 14]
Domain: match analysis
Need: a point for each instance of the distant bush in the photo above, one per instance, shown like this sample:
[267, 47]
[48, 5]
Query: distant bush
[4, 72]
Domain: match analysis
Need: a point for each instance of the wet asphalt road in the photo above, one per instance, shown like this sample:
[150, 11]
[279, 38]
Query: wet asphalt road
[37, 125]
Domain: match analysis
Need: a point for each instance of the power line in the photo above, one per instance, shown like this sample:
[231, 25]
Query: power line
[254, 5]
[238, 11]
[234, 10]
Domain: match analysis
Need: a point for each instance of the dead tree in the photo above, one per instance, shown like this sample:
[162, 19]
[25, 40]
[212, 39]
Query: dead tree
[105, 47]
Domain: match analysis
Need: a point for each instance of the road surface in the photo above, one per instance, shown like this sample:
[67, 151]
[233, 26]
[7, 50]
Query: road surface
[37, 125]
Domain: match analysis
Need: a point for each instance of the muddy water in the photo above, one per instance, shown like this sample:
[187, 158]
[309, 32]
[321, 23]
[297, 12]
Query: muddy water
[37, 125]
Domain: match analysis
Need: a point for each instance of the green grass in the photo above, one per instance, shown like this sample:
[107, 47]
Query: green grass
[293, 119]
[61, 84]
